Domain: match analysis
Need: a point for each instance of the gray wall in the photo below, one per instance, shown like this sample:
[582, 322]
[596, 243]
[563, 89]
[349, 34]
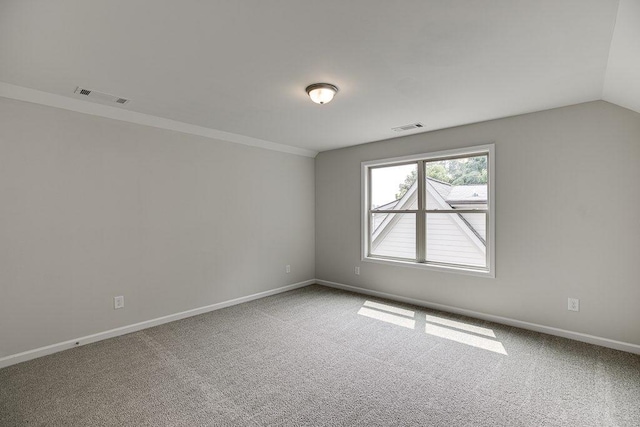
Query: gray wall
[567, 220]
[91, 208]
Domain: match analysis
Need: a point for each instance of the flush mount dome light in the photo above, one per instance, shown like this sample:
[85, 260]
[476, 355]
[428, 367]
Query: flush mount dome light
[321, 93]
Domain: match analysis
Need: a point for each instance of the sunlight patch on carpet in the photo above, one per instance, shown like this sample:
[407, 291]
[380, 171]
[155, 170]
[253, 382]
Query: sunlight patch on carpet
[465, 338]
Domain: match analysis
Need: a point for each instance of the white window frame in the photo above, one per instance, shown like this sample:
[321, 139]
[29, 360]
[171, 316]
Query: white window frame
[487, 149]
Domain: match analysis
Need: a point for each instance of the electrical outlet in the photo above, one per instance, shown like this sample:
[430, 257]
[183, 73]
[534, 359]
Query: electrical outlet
[357, 270]
[118, 302]
[573, 304]
[287, 269]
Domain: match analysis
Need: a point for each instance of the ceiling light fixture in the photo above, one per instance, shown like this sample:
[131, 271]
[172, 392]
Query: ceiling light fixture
[321, 93]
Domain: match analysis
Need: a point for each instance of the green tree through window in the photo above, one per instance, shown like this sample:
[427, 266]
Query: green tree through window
[467, 171]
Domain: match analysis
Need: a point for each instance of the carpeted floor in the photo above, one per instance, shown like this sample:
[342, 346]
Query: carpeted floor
[319, 356]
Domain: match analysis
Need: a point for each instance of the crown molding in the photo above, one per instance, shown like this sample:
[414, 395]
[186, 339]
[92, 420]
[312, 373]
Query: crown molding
[118, 113]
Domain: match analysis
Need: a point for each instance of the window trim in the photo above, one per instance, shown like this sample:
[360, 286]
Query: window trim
[365, 196]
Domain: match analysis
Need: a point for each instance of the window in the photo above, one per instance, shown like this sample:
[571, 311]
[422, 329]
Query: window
[431, 211]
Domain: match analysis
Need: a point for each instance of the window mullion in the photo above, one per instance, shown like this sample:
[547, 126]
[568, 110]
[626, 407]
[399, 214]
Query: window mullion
[421, 244]
[488, 242]
[370, 214]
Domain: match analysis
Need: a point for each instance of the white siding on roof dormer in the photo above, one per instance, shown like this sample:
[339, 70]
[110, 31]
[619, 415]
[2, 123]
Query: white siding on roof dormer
[399, 238]
[449, 239]
[400, 241]
[378, 218]
[479, 223]
[448, 243]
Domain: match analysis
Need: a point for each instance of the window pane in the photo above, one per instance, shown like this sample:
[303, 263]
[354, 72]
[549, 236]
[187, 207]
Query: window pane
[457, 183]
[394, 235]
[457, 239]
[377, 219]
[394, 187]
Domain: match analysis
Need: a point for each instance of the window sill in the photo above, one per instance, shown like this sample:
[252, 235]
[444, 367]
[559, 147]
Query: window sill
[441, 268]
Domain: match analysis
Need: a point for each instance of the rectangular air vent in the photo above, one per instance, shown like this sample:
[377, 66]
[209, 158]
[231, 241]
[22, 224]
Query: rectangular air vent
[408, 127]
[100, 96]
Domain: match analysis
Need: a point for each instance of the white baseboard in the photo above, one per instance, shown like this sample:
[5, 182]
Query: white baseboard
[54, 348]
[591, 339]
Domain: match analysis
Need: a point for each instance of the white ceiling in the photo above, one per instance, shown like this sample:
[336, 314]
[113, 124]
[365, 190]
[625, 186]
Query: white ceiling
[240, 67]
[622, 81]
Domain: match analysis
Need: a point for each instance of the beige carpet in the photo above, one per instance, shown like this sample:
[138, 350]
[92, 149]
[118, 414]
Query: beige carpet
[318, 356]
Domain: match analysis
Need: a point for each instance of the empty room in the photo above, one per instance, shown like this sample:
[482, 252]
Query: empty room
[305, 213]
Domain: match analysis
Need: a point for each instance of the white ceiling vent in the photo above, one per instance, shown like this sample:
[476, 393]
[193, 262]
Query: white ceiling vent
[408, 127]
[100, 96]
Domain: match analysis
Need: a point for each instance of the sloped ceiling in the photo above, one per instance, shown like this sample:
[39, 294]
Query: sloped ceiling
[237, 70]
[622, 81]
